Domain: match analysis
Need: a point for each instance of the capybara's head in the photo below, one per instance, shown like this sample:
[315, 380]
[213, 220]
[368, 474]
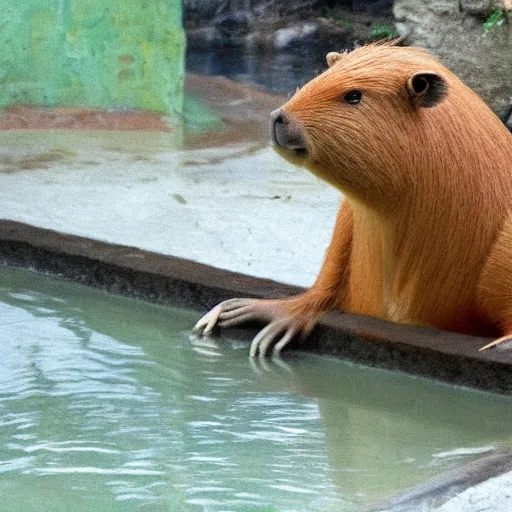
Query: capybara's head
[364, 123]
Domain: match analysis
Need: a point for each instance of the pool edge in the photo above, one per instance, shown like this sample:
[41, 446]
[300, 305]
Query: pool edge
[172, 281]
[436, 492]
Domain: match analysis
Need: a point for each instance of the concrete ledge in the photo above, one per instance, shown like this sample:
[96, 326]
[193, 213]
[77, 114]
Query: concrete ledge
[165, 280]
[439, 490]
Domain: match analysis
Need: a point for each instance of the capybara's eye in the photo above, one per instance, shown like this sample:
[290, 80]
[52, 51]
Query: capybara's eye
[353, 96]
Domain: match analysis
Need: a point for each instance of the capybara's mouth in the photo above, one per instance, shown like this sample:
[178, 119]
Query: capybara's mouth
[295, 156]
[300, 152]
[290, 152]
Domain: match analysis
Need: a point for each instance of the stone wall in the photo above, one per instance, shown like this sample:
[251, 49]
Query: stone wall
[457, 33]
[280, 24]
[197, 11]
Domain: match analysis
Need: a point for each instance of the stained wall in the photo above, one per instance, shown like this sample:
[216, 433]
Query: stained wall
[119, 54]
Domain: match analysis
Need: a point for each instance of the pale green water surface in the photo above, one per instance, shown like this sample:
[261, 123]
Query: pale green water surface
[108, 404]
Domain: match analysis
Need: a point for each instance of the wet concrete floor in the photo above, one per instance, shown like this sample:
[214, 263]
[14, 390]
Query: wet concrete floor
[211, 190]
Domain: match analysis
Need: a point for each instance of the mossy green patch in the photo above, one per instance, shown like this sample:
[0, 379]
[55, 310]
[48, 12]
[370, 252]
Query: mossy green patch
[88, 53]
[382, 31]
[497, 18]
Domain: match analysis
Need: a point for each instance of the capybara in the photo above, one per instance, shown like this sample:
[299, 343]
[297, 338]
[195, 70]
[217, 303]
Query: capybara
[424, 233]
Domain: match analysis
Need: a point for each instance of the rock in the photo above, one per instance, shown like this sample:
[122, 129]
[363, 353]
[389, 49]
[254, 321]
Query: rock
[508, 123]
[196, 11]
[298, 34]
[477, 7]
[282, 24]
[454, 32]
[372, 7]
[207, 11]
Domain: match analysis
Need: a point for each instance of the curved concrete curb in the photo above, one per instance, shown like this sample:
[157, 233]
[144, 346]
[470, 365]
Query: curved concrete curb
[442, 491]
[444, 356]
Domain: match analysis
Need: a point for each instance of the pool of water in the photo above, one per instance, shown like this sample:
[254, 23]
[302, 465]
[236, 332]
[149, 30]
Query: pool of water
[280, 72]
[109, 404]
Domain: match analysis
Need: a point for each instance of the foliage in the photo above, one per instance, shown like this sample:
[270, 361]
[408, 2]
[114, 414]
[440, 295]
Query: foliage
[337, 18]
[382, 31]
[497, 18]
[344, 24]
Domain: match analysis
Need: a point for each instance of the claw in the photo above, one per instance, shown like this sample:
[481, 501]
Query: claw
[281, 330]
[233, 311]
[270, 334]
[290, 334]
[208, 321]
[496, 342]
[267, 332]
[271, 337]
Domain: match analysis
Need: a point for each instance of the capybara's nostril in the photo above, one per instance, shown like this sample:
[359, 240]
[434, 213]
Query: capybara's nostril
[276, 119]
[276, 116]
[286, 132]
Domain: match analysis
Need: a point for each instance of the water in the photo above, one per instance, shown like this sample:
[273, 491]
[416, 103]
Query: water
[278, 73]
[108, 404]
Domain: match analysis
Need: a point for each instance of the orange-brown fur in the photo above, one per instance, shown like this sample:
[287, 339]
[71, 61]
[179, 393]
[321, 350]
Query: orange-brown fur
[429, 188]
[424, 234]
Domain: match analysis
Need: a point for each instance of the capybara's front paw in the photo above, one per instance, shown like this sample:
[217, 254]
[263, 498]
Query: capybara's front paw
[286, 321]
[226, 314]
[280, 333]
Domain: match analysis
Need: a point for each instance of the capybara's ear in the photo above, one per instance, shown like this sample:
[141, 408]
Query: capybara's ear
[426, 89]
[332, 58]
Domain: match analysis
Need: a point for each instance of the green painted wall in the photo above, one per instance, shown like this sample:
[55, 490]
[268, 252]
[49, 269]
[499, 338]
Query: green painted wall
[120, 54]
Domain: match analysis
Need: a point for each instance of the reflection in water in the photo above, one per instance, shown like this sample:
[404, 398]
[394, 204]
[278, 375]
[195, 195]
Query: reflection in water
[109, 404]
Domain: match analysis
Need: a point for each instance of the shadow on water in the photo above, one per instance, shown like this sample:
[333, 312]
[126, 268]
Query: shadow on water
[108, 403]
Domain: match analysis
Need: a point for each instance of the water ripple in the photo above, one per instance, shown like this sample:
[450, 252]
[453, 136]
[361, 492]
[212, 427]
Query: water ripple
[109, 404]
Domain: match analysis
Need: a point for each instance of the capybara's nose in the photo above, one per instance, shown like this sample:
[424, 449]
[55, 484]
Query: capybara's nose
[286, 132]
